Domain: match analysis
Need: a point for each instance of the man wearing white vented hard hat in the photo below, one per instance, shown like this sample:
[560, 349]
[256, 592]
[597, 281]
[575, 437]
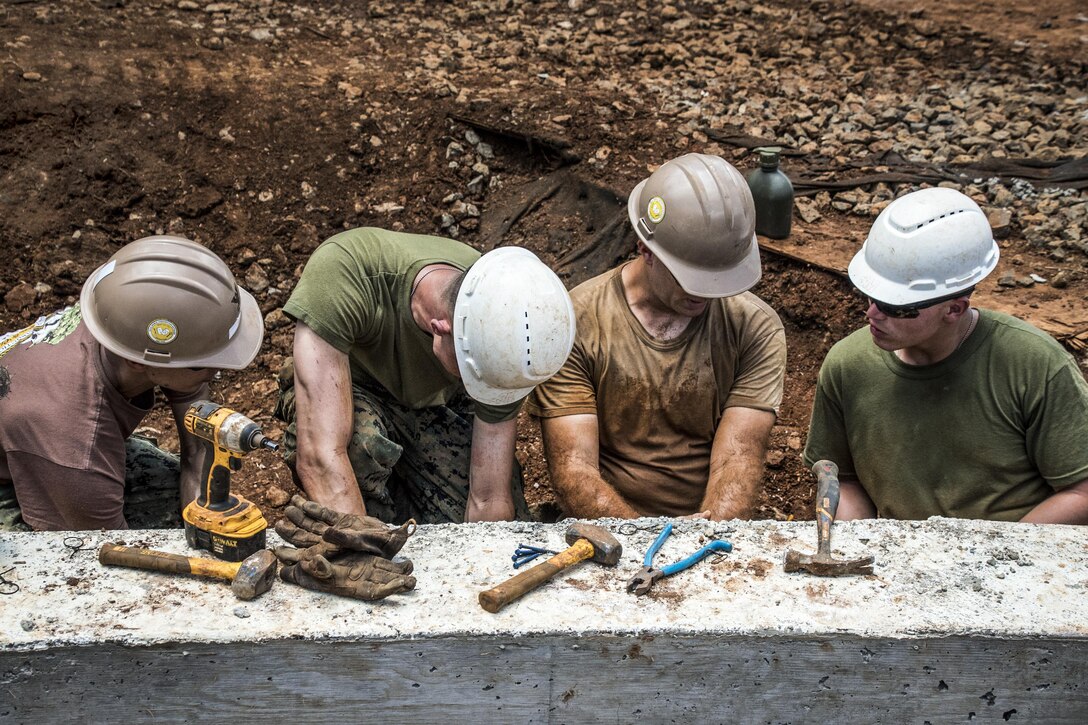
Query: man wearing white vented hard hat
[667, 401]
[412, 356]
[938, 408]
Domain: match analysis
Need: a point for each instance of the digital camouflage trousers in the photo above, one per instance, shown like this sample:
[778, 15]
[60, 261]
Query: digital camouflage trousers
[408, 463]
[151, 490]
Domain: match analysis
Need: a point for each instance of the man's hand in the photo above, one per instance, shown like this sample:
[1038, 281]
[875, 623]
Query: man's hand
[342, 553]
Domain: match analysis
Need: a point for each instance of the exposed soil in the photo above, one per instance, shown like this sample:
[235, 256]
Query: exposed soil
[261, 127]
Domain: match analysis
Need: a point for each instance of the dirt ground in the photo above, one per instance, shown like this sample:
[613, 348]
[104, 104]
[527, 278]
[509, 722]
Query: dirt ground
[261, 127]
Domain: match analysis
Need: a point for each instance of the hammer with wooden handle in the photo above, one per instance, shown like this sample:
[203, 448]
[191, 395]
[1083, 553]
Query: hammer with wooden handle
[248, 578]
[587, 541]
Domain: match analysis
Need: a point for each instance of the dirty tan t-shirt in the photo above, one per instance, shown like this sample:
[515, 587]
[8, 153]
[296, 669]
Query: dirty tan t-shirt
[658, 404]
[355, 293]
[63, 426]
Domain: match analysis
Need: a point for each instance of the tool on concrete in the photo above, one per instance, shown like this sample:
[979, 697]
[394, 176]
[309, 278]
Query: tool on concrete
[228, 525]
[640, 583]
[248, 579]
[827, 503]
[526, 553]
[587, 541]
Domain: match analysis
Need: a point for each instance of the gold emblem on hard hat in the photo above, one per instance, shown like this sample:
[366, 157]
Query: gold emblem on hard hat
[162, 331]
[656, 209]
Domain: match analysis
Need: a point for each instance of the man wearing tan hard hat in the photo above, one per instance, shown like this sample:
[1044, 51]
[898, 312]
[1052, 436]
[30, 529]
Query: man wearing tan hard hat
[163, 312]
[667, 401]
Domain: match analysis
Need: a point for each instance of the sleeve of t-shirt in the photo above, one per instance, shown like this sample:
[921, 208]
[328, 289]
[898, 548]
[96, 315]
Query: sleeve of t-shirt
[58, 498]
[569, 392]
[761, 372]
[827, 429]
[496, 413]
[334, 298]
[1057, 428]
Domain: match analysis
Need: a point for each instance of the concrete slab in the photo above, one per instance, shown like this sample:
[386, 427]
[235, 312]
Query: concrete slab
[960, 619]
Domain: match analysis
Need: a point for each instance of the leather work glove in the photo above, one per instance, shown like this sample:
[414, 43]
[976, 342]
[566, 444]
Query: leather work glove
[361, 576]
[309, 524]
[342, 553]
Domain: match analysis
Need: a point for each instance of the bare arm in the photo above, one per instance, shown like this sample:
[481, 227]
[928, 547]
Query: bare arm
[192, 451]
[736, 462]
[854, 503]
[571, 447]
[1068, 506]
[489, 494]
[323, 417]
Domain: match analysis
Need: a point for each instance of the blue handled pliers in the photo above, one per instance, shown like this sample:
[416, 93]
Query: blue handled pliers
[640, 583]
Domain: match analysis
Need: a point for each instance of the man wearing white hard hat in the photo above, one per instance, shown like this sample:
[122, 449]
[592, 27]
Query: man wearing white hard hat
[667, 401]
[938, 408]
[412, 356]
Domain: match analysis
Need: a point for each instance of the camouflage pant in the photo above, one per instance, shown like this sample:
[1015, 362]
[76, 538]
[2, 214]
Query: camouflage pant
[151, 490]
[408, 463]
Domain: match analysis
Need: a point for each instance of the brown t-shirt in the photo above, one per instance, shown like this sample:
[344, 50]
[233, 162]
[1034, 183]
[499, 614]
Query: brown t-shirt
[63, 426]
[657, 403]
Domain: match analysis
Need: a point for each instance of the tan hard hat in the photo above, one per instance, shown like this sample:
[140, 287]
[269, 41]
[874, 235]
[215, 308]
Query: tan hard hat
[696, 215]
[169, 302]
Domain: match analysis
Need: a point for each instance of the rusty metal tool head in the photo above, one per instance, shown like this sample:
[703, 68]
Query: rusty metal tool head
[827, 503]
[248, 579]
[587, 541]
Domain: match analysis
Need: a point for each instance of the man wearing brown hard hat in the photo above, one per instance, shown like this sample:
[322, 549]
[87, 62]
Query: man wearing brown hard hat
[163, 312]
[667, 400]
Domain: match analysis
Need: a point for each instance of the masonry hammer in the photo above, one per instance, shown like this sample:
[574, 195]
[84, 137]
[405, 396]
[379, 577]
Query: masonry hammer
[248, 579]
[587, 541]
[827, 503]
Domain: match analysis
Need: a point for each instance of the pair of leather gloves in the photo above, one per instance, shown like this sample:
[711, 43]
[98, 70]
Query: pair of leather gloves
[342, 553]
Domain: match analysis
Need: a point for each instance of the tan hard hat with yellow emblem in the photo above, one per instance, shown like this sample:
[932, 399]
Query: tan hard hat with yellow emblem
[170, 302]
[696, 215]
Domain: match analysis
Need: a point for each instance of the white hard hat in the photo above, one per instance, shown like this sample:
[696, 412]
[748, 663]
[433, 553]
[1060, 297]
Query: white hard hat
[513, 325]
[696, 215]
[925, 245]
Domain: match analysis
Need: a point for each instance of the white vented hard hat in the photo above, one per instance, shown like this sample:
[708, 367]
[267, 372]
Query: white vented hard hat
[513, 325]
[924, 245]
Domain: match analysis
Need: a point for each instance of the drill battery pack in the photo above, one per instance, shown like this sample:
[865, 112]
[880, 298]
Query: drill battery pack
[232, 534]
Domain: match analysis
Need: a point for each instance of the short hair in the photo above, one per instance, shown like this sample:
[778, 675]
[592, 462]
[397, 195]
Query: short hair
[452, 289]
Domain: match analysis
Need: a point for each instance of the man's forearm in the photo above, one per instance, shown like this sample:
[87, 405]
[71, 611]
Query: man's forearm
[854, 502]
[330, 481]
[733, 489]
[582, 493]
[1069, 506]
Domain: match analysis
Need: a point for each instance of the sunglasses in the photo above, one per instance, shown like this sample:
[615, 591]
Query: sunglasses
[909, 312]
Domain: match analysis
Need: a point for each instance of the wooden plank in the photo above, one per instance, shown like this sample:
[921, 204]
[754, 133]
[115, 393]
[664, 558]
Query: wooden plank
[555, 679]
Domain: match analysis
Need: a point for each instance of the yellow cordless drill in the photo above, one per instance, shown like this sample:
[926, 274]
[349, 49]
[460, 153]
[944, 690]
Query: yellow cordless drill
[230, 527]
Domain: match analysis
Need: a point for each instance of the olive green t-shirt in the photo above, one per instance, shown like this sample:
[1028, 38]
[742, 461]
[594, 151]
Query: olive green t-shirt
[988, 433]
[355, 294]
[657, 403]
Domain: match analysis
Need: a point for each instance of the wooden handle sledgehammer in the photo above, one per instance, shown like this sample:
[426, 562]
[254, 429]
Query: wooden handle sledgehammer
[248, 579]
[587, 541]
